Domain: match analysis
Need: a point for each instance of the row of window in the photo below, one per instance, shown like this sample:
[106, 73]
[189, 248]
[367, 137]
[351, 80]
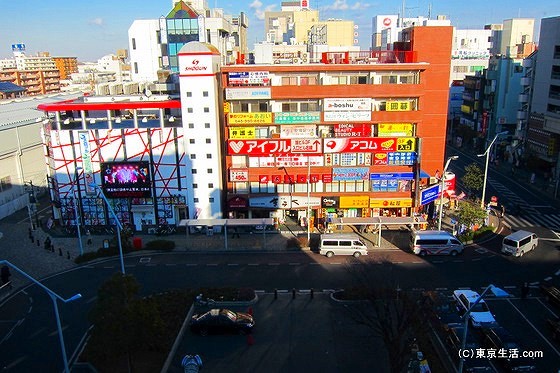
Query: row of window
[264, 106]
[336, 186]
[346, 79]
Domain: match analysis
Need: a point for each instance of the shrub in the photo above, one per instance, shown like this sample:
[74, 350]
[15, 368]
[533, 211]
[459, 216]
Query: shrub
[164, 245]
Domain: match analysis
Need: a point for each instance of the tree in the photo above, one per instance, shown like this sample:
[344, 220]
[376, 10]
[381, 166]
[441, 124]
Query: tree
[473, 178]
[470, 214]
[122, 322]
[388, 312]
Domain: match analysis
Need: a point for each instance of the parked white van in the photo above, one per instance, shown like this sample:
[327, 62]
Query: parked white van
[520, 242]
[342, 244]
[435, 243]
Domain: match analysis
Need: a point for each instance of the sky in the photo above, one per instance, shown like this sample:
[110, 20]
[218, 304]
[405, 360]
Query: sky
[90, 30]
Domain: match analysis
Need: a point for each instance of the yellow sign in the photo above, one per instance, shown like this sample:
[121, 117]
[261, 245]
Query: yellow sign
[398, 106]
[353, 201]
[406, 144]
[390, 202]
[395, 129]
[227, 107]
[249, 118]
[242, 133]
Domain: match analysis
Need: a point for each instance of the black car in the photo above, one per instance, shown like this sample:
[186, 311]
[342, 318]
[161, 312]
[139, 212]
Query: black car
[498, 338]
[472, 363]
[222, 321]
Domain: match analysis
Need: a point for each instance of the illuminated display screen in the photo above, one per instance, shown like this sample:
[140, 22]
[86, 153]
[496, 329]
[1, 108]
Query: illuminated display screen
[126, 179]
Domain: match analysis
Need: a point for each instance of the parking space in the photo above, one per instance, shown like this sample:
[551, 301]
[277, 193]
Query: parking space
[525, 319]
[295, 335]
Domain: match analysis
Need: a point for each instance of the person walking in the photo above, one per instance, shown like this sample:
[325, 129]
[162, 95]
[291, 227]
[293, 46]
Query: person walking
[524, 290]
[47, 243]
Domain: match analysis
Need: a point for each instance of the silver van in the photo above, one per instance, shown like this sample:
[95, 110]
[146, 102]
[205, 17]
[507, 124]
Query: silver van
[435, 243]
[342, 244]
[520, 242]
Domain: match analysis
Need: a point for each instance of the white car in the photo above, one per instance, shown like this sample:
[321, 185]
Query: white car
[480, 315]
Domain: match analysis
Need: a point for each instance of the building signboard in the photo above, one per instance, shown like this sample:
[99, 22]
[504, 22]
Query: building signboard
[350, 173]
[390, 202]
[299, 161]
[267, 147]
[395, 129]
[242, 133]
[249, 118]
[352, 130]
[346, 116]
[347, 104]
[399, 105]
[330, 202]
[360, 145]
[429, 194]
[354, 201]
[298, 131]
[238, 174]
[249, 78]
[284, 202]
[86, 162]
[392, 175]
[295, 118]
[247, 93]
[401, 158]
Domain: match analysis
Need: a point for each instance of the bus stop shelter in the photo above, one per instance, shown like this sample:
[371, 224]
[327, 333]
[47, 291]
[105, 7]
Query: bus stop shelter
[380, 222]
[218, 225]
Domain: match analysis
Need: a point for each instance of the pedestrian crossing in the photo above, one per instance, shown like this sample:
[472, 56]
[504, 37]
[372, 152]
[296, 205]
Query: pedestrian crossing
[529, 215]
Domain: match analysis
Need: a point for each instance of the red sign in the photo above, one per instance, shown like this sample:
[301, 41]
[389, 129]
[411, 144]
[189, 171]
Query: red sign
[264, 179]
[352, 130]
[327, 178]
[314, 178]
[386, 21]
[301, 179]
[380, 159]
[360, 145]
[261, 147]
[276, 179]
[237, 203]
[289, 179]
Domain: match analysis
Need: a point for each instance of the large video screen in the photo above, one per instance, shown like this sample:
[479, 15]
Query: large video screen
[126, 179]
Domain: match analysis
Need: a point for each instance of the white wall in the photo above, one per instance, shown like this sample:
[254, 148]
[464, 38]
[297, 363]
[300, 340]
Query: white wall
[147, 53]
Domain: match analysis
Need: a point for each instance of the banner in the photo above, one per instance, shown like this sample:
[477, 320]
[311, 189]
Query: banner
[249, 118]
[83, 137]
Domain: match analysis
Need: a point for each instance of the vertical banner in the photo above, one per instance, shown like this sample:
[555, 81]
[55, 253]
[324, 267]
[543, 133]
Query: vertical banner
[86, 161]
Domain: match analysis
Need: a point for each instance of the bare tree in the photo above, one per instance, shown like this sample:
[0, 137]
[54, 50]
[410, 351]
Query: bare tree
[390, 313]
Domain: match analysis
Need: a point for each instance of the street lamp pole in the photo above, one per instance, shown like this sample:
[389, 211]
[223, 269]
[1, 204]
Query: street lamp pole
[77, 214]
[498, 293]
[54, 297]
[487, 154]
[119, 225]
[308, 200]
[452, 158]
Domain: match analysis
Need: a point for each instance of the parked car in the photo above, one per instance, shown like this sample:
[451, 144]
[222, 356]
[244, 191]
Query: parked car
[472, 364]
[500, 339]
[480, 315]
[222, 321]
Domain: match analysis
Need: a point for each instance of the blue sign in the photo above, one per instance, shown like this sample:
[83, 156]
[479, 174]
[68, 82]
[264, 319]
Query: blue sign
[393, 175]
[349, 174]
[429, 194]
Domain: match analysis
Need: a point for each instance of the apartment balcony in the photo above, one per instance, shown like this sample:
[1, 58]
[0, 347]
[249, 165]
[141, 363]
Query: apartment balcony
[521, 115]
[526, 81]
[523, 98]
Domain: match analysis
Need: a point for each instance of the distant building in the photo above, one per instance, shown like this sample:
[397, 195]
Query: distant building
[66, 66]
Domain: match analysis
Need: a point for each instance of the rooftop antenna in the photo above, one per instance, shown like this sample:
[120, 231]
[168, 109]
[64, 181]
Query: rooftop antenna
[430, 11]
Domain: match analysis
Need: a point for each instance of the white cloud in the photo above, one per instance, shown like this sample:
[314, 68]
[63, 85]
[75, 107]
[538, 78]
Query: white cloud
[337, 5]
[96, 21]
[256, 5]
[360, 6]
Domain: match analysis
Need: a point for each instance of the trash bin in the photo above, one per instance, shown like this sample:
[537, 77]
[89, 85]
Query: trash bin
[137, 243]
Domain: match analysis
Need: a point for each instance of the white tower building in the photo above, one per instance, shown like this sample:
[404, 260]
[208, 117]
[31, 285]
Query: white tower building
[202, 108]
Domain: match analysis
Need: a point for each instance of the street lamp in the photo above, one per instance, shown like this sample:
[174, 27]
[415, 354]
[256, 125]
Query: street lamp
[487, 154]
[119, 225]
[76, 213]
[54, 298]
[452, 158]
[499, 293]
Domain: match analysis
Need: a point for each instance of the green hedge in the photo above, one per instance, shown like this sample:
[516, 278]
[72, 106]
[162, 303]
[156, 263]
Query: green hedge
[475, 235]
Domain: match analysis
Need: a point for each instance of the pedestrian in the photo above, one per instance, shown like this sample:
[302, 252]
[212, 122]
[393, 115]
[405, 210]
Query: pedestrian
[533, 178]
[88, 235]
[5, 275]
[47, 243]
[524, 290]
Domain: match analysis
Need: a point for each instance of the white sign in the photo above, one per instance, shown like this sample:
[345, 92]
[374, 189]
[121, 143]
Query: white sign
[346, 116]
[86, 161]
[285, 202]
[247, 93]
[347, 104]
[296, 131]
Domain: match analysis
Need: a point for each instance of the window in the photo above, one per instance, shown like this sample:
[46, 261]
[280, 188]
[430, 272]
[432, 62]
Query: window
[209, 170]
[195, 186]
[309, 106]
[206, 109]
[189, 94]
[289, 80]
[190, 110]
[210, 185]
[208, 156]
[136, 67]
[204, 93]
[133, 43]
[191, 141]
[289, 107]
[193, 156]
[556, 52]
[193, 171]
[209, 141]
[211, 199]
[196, 200]
[206, 125]
[158, 37]
[191, 125]
[460, 69]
